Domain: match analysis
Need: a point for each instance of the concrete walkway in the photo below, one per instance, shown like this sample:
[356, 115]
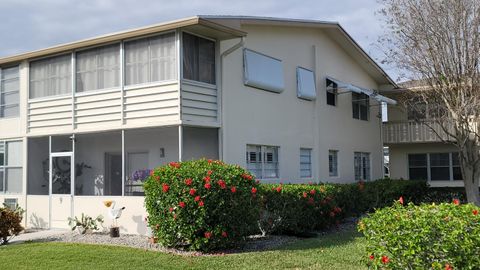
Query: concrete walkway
[37, 235]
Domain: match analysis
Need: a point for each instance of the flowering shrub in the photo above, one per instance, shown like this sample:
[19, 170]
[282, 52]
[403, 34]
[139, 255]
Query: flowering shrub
[10, 223]
[296, 209]
[201, 205]
[429, 236]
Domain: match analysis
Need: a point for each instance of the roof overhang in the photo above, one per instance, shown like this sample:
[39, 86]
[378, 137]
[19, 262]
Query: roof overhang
[371, 93]
[333, 29]
[196, 24]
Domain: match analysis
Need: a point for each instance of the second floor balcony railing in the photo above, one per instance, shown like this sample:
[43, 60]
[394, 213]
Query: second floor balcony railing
[412, 132]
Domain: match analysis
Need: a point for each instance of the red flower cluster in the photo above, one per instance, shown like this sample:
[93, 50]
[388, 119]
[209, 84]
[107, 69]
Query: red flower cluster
[188, 181]
[247, 176]
[208, 235]
[475, 212]
[372, 257]
[304, 195]
[165, 187]
[207, 186]
[192, 191]
[224, 234]
[201, 204]
[207, 179]
[313, 191]
[171, 209]
[222, 184]
[197, 198]
[279, 189]
[233, 189]
[209, 172]
[385, 259]
[456, 201]
[182, 204]
[254, 190]
[400, 200]
[174, 164]
[310, 201]
[448, 267]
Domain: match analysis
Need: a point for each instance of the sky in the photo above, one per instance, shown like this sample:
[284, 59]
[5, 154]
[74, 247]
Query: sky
[35, 24]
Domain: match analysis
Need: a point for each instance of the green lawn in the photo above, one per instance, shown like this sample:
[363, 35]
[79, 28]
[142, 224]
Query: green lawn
[335, 251]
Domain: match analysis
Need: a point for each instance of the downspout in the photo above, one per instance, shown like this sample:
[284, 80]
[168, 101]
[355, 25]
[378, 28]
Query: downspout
[221, 135]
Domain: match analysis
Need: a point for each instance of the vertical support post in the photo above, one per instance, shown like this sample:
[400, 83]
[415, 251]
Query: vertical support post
[73, 85]
[180, 143]
[123, 163]
[50, 182]
[122, 82]
[72, 177]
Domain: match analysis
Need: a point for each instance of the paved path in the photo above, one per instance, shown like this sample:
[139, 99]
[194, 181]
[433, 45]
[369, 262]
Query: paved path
[31, 236]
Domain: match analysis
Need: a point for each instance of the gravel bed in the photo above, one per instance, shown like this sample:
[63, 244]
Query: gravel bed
[254, 243]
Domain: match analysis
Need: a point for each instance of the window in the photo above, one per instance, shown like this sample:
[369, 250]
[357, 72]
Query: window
[434, 167]
[11, 203]
[51, 77]
[137, 172]
[262, 161]
[150, 60]
[305, 162]
[362, 166]
[332, 90]
[440, 166]
[98, 68]
[263, 72]
[198, 59]
[333, 163]
[360, 106]
[306, 84]
[11, 167]
[417, 166]
[9, 92]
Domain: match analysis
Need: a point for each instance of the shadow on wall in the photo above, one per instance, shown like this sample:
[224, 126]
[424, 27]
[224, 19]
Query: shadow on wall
[141, 225]
[37, 222]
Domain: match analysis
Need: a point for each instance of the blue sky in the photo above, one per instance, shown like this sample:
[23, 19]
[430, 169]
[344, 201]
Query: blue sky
[35, 24]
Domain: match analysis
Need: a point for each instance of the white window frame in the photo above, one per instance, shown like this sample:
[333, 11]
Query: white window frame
[2, 91]
[429, 166]
[309, 163]
[263, 162]
[333, 163]
[4, 167]
[362, 168]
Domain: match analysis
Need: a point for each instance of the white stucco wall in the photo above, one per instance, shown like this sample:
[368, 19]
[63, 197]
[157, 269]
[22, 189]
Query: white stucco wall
[254, 116]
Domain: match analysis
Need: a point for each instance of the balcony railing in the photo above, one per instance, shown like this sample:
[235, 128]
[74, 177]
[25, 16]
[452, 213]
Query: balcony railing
[412, 132]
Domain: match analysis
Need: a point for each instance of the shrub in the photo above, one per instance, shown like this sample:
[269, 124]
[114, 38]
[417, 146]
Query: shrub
[85, 223]
[300, 208]
[296, 209]
[201, 205]
[444, 236]
[10, 223]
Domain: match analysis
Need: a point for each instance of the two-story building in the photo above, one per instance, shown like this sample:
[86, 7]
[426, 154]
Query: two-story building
[81, 123]
[415, 149]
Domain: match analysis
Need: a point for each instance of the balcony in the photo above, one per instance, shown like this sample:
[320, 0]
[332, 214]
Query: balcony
[411, 132]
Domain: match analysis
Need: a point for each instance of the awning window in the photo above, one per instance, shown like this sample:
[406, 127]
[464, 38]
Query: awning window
[371, 93]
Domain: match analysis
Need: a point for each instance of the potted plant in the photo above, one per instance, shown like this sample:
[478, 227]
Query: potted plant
[85, 224]
[114, 214]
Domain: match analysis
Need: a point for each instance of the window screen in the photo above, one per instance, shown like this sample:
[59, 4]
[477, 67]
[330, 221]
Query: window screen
[306, 84]
[263, 72]
[362, 166]
[262, 161]
[51, 76]
[98, 68]
[11, 163]
[9, 92]
[417, 167]
[457, 170]
[333, 163]
[305, 162]
[198, 59]
[439, 166]
[150, 59]
[332, 90]
[360, 106]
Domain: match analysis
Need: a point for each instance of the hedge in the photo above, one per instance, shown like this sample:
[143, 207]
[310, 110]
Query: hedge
[300, 208]
[428, 236]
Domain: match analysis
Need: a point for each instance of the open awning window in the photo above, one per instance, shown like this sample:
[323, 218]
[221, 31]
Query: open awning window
[371, 93]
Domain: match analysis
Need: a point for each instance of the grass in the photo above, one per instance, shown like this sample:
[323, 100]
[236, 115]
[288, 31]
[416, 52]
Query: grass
[336, 251]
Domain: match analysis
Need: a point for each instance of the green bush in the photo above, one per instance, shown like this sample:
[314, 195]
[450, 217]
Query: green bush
[429, 236]
[299, 208]
[201, 205]
[10, 223]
